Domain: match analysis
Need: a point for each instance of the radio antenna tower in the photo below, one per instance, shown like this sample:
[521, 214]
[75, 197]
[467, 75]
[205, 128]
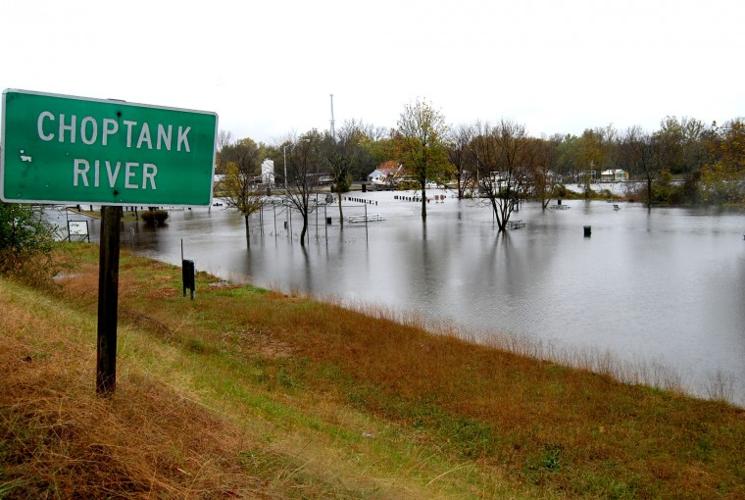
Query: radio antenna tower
[333, 132]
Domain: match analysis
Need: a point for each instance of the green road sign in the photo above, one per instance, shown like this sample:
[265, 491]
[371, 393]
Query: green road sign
[63, 149]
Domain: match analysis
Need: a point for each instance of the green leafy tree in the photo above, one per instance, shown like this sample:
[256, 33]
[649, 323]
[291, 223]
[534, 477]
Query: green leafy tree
[242, 164]
[723, 181]
[420, 145]
[378, 149]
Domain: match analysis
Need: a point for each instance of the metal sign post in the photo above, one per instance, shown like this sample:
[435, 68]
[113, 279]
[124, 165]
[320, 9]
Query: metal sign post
[73, 150]
[108, 293]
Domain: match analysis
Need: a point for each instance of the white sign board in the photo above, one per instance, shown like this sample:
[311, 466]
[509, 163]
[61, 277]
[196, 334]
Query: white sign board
[77, 228]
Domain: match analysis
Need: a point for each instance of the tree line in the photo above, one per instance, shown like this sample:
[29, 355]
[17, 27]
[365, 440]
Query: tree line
[683, 161]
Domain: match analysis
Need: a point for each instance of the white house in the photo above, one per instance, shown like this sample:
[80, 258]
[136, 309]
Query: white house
[385, 174]
[614, 175]
[606, 175]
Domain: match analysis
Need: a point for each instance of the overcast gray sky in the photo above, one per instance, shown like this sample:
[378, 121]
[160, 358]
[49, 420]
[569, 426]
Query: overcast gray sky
[267, 68]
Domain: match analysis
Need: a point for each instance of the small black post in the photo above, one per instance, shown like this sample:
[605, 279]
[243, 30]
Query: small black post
[588, 231]
[108, 292]
[187, 276]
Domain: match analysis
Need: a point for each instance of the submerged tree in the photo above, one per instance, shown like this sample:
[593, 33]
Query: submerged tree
[344, 153]
[723, 181]
[543, 176]
[420, 144]
[639, 150]
[304, 161]
[503, 160]
[242, 163]
[461, 157]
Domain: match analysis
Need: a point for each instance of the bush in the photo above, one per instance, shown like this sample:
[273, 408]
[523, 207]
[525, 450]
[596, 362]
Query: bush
[23, 230]
[408, 185]
[25, 244]
[721, 184]
[155, 217]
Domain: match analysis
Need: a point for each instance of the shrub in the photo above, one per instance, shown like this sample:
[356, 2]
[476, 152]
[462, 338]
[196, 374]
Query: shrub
[408, 185]
[25, 244]
[23, 230]
[155, 217]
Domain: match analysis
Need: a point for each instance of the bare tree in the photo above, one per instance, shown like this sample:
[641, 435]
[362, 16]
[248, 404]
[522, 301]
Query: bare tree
[461, 157]
[639, 151]
[501, 154]
[543, 172]
[224, 138]
[421, 148]
[242, 166]
[303, 167]
[343, 153]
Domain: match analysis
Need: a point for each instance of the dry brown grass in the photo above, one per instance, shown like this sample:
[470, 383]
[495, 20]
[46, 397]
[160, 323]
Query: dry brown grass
[165, 433]
[620, 438]
[564, 431]
[60, 440]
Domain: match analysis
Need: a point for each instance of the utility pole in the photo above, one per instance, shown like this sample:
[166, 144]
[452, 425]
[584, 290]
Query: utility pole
[284, 155]
[333, 132]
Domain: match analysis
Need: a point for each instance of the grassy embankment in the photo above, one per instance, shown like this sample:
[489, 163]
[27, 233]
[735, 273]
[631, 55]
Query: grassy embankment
[246, 392]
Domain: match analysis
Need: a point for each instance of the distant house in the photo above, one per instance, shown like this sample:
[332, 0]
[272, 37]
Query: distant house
[614, 175]
[606, 175]
[386, 173]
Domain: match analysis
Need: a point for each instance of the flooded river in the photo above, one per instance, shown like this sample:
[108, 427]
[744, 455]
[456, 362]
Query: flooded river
[663, 290]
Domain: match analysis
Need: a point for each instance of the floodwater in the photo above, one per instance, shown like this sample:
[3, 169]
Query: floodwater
[663, 290]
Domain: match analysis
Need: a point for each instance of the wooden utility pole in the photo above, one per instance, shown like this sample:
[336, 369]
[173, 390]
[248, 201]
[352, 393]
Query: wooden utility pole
[108, 293]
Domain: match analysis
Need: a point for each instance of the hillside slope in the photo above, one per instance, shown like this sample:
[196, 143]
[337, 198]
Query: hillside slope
[245, 392]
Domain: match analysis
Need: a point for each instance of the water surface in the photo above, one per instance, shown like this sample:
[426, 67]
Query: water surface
[663, 288]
